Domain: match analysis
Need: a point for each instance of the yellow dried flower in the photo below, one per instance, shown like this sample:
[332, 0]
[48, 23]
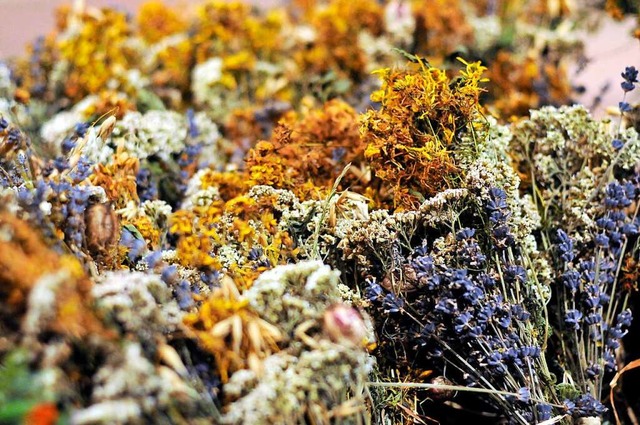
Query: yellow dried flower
[229, 184]
[118, 179]
[229, 28]
[409, 138]
[156, 20]
[96, 51]
[338, 26]
[227, 327]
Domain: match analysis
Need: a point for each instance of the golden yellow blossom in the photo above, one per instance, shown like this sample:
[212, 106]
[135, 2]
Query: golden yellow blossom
[409, 138]
[156, 20]
[227, 327]
[96, 52]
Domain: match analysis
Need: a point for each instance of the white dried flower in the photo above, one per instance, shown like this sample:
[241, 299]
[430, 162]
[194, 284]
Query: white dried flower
[155, 132]
[140, 302]
[108, 412]
[45, 207]
[399, 22]
[203, 77]
[41, 305]
[157, 210]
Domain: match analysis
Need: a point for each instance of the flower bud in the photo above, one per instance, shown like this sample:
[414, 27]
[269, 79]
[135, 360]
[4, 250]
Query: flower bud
[344, 325]
[441, 393]
[107, 127]
[101, 228]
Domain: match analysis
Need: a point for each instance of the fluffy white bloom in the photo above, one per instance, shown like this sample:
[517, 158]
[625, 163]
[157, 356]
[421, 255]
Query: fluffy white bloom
[155, 132]
[62, 124]
[96, 149]
[399, 22]
[204, 76]
[45, 207]
[158, 211]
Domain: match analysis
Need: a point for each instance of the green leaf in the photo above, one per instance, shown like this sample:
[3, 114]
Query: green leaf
[341, 86]
[410, 56]
[14, 411]
[417, 194]
[148, 101]
[134, 231]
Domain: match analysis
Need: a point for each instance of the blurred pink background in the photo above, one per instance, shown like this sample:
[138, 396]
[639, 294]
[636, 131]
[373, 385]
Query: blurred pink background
[23, 20]
[609, 50]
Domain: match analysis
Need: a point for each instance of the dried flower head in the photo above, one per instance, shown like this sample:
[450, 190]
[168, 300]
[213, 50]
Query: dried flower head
[228, 327]
[102, 228]
[306, 154]
[156, 20]
[422, 115]
[344, 325]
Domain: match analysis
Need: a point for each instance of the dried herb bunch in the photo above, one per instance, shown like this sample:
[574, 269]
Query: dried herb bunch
[422, 115]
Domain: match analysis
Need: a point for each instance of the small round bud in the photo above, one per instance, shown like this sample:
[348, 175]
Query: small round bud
[344, 324]
[441, 393]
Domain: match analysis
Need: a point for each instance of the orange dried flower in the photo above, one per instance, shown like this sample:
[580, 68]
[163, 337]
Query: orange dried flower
[227, 327]
[24, 260]
[42, 414]
[513, 84]
[229, 184]
[307, 153]
[409, 138]
[111, 103]
[441, 27]
[118, 179]
[338, 26]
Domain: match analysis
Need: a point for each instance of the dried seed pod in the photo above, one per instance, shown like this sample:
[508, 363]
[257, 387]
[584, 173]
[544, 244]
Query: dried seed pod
[170, 357]
[107, 127]
[441, 393]
[22, 96]
[344, 324]
[101, 228]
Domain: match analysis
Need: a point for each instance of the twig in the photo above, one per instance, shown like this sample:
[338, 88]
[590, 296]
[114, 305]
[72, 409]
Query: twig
[614, 382]
[325, 209]
[453, 388]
